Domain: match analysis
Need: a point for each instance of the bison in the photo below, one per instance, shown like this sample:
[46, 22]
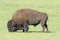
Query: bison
[25, 17]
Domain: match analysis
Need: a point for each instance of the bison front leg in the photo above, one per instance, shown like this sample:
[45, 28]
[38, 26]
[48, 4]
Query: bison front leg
[25, 29]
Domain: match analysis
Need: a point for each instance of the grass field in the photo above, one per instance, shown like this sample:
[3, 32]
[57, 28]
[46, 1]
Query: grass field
[51, 7]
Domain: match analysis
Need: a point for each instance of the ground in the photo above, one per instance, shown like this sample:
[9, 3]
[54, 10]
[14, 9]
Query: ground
[51, 7]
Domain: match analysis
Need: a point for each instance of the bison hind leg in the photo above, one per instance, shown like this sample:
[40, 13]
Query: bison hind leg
[46, 26]
[43, 25]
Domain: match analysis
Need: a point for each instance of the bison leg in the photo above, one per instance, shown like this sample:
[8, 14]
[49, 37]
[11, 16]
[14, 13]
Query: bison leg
[25, 25]
[26, 30]
[23, 30]
[46, 26]
[43, 26]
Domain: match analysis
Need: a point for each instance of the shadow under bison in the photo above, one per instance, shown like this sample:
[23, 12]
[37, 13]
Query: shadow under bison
[22, 18]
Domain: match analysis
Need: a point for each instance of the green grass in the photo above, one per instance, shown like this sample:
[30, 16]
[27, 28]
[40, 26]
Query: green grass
[51, 7]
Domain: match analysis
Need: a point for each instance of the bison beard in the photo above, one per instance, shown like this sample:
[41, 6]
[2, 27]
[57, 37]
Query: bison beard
[25, 17]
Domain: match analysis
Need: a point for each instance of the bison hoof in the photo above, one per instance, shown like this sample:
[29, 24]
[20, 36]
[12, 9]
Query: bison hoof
[25, 30]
